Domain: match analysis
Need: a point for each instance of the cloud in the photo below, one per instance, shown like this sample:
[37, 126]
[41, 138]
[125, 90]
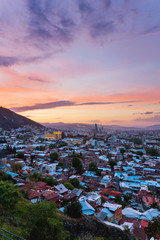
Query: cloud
[44, 106]
[102, 28]
[155, 118]
[8, 61]
[85, 7]
[49, 24]
[146, 113]
[36, 79]
[153, 29]
[52, 25]
[106, 103]
[61, 104]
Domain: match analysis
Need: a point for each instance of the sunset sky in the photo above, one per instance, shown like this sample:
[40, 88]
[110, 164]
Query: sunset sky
[81, 61]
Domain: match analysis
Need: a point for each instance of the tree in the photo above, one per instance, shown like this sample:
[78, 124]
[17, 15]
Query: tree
[139, 153]
[76, 163]
[54, 156]
[152, 152]
[40, 148]
[50, 181]
[20, 155]
[98, 172]
[51, 146]
[68, 185]
[153, 228]
[16, 167]
[112, 163]
[122, 151]
[5, 177]
[109, 155]
[75, 182]
[36, 177]
[43, 222]
[61, 164]
[127, 197]
[73, 209]
[93, 167]
[9, 197]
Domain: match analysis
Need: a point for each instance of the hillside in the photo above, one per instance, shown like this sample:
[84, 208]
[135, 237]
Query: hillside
[9, 120]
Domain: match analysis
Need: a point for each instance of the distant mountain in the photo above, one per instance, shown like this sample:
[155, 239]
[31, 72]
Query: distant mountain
[10, 120]
[68, 125]
[84, 125]
[91, 126]
[153, 127]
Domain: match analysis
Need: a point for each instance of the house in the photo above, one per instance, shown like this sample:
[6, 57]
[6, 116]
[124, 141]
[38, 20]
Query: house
[34, 196]
[128, 226]
[94, 199]
[61, 189]
[148, 215]
[69, 197]
[51, 196]
[105, 215]
[116, 209]
[42, 186]
[87, 209]
[77, 192]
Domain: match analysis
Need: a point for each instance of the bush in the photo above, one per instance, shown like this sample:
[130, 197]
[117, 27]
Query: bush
[68, 185]
[54, 156]
[73, 209]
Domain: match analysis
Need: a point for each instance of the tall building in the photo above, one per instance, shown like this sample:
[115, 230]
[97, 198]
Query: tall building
[96, 128]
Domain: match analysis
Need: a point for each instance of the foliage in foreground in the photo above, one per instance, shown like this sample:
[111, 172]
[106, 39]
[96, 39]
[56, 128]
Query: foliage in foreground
[153, 229]
[73, 209]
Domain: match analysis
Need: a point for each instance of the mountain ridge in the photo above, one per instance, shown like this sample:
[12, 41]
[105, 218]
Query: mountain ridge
[11, 120]
[87, 125]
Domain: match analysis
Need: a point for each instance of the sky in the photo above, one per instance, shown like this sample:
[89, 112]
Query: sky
[81, 61]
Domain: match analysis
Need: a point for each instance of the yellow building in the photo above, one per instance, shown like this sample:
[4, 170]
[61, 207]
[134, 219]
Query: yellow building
[55, 135]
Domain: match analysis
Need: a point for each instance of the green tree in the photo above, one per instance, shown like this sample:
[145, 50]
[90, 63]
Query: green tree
[36, 177]
[73, 209]
[127, 197]
[5, 177]
[20, 155]
[43, 222]
[139, 153]
[54, 157]
[61, 164]
[68, 185]
[93, 167]
[40, 148]
[50, 181]
[122, 151]
[153, 228]
[9, 197]
[16, 167]
[152, 152]
[75, 182]
[76, 163]
[98, 172]
[112, 163]
[51, 146]
[109, 155]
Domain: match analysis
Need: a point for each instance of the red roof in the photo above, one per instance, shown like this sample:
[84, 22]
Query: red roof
[69, 196]
[33, 194]
[51, 196]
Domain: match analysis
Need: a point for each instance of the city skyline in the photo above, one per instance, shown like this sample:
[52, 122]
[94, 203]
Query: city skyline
[81, 61]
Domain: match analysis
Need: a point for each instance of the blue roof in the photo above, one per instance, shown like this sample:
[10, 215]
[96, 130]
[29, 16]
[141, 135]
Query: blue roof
[12, 174]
